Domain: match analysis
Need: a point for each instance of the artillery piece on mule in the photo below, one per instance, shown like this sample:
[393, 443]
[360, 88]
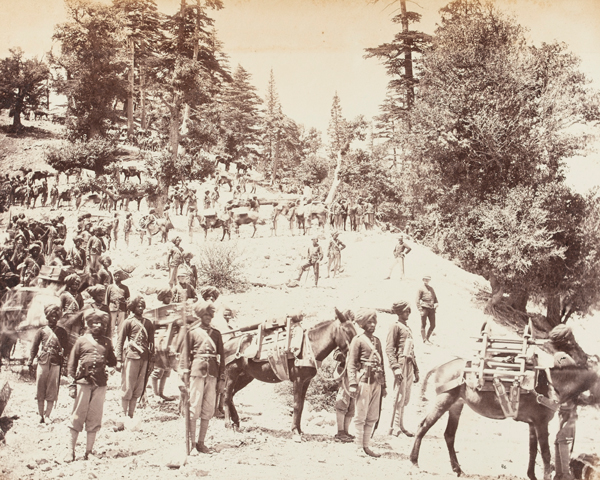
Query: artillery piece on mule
[276, 351]
[503, 381]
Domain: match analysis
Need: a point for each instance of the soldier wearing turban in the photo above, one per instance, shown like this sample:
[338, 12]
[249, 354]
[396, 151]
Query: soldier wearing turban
[567, 353]
[49, 345]
[90, 356]
[366, 378]
[400, 351]
[207, 369]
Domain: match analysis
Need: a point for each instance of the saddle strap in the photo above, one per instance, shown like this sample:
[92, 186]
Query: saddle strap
[546, 402]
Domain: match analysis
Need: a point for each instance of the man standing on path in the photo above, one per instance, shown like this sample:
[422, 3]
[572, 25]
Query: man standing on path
[427, 304]
[366, 378]
[313, 258]
[174, 259]
[400, 252]
[401, 355]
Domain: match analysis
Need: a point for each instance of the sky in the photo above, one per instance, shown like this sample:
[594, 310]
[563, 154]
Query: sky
[315, 48]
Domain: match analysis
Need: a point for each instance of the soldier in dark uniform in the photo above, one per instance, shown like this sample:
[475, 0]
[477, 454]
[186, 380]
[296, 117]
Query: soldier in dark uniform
[90, 356]
[50, 342]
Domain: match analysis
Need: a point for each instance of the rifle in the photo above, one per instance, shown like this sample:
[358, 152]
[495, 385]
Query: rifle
[185, 397]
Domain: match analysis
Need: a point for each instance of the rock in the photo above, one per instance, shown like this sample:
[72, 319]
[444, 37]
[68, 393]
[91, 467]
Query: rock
[31, 466]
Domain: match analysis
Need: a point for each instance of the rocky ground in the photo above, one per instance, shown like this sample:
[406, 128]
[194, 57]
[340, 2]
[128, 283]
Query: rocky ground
[264, 447]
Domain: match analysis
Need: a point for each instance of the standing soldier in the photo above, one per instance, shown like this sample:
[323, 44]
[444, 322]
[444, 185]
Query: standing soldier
[366, 378]
[127, 227]
[400, 251]
[174, 260]
[53, 341]
[427, 304]
[334, 254]
[134, 361]
[207, 370]
[53, 196]
[345, 404]
[115, 229]
[568, 353]
[313, 257]
[400, 351]
[90, 356]
[117, 296]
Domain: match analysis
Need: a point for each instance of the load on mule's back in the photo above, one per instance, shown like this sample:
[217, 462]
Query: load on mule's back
[504, 380]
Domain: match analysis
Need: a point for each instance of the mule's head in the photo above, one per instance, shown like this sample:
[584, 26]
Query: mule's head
[346, 329]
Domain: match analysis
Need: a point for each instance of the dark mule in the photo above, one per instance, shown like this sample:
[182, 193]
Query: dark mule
[568, 383]
[323, 339]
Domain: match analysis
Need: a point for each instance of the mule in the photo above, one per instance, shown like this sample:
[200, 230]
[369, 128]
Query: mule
[244, 217]
[568, 383]
[161, 225]
[323, 339]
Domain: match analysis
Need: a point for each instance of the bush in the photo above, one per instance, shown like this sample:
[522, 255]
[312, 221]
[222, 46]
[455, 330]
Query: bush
[321, 391]
[221, 265]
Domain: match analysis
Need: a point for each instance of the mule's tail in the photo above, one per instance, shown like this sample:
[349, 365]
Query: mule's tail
[425, 380]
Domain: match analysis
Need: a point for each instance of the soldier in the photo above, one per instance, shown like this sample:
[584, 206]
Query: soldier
[401, 355]
[427, 304]
[127, 227]
[314, 256]
[207, 370]
[400, 251]
[567, 353]
[334, 254]
[117, 296]
[53, 341]
[90, 356]
[345, 404]
[366, 378]
[174, 260]
[134, 361]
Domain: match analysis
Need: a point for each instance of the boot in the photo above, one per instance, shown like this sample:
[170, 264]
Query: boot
[562, 461]
[161, 390]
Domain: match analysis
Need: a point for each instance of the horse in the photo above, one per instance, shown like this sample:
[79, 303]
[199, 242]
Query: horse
[568, 383]
[322, 338]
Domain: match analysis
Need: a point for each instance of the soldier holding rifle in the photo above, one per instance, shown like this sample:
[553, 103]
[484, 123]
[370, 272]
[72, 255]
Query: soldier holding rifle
[135, 360]
[401, 355]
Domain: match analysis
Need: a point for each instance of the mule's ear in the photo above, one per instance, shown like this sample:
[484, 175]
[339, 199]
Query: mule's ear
[340, 316]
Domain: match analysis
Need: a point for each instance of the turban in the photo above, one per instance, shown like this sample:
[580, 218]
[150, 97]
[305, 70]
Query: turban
[209, 291]
[134, 302]
[96, 290]
[94, 315]
[163, 294]
[104, 259]
[71, 279]
[119, 271]
[48, 309]
[399, 307]
[561, 335]
[203, 308]
[364, 315]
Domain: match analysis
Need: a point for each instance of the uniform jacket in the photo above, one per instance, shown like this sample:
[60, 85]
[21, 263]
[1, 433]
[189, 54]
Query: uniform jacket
[361, 356]
[89, 358]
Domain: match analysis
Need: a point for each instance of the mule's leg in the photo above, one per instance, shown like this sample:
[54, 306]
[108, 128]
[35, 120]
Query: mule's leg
[533, 445]
[450, 434]
[301, 383]
[541, 430]
[442, 404]
[239, 381]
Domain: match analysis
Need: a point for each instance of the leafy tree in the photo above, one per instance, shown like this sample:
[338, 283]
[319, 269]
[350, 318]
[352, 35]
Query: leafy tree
[22, 85]
[90, 66]
[98, 155]
[341, 134]
[491, 128]
[143, 28]
[240, 118]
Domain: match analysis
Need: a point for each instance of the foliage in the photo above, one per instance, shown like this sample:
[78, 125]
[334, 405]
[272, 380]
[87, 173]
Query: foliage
[89, 66]
[22, 85]
[369, 176]
[97, 155]
[221, 265]
[321, 392]
[312, 170]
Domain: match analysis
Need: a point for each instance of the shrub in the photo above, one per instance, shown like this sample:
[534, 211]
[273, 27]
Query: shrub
[321, 392]
[221, 265]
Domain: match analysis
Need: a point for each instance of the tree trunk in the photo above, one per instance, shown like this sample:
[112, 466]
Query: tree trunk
[497, 291]
[518, 300]
[336, 180]
[143, 97]
[130, 79]
[553, 310]
[408, 66]
[275, 161]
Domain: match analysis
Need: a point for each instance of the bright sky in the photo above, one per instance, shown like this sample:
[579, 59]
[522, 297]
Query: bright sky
[316, 47]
